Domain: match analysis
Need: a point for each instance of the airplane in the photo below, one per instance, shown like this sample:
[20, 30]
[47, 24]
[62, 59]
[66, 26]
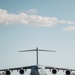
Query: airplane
[37, 69]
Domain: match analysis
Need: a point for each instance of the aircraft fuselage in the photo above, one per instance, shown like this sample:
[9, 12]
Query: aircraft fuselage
[35, 71]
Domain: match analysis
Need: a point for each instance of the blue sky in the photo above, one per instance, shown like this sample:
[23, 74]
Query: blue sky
[46, 24]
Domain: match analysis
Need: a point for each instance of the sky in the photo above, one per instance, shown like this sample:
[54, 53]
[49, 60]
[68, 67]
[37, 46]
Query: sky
[46, 24]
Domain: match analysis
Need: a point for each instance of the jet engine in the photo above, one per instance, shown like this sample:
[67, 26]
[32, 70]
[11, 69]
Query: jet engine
[8, 72]
[54, 71]
[21, 71]
[67, 72]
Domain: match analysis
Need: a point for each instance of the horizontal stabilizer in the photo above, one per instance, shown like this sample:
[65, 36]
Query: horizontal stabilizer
[37, 50]
[27, 50]
[47, 50]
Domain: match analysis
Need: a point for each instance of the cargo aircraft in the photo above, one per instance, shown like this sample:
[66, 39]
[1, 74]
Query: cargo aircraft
[37, 69]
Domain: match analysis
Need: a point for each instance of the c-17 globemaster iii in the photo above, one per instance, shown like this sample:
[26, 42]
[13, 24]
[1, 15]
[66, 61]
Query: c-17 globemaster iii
[37, 69]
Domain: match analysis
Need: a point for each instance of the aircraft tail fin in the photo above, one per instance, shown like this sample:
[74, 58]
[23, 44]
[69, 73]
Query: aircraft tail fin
[37, 50]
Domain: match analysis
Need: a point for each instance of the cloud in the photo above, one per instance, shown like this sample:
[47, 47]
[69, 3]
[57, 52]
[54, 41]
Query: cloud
[7, 18]
[32, 11]
[69, 28]
[70, 22]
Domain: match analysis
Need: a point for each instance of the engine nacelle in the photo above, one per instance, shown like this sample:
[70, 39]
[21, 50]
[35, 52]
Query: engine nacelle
[68, 72]
[21, 71]
[54, 71]
[8, 72]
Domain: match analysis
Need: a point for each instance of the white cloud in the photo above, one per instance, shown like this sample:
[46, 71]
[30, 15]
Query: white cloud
[70, 28]
[32, 11]
[70, 22]
[27, 19]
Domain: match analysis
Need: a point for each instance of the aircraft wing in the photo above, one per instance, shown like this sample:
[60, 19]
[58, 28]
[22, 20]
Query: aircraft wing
[18, 68]
[49, 67]
[37, 67]
[56, 69]
[15, 68]
[21, 70]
